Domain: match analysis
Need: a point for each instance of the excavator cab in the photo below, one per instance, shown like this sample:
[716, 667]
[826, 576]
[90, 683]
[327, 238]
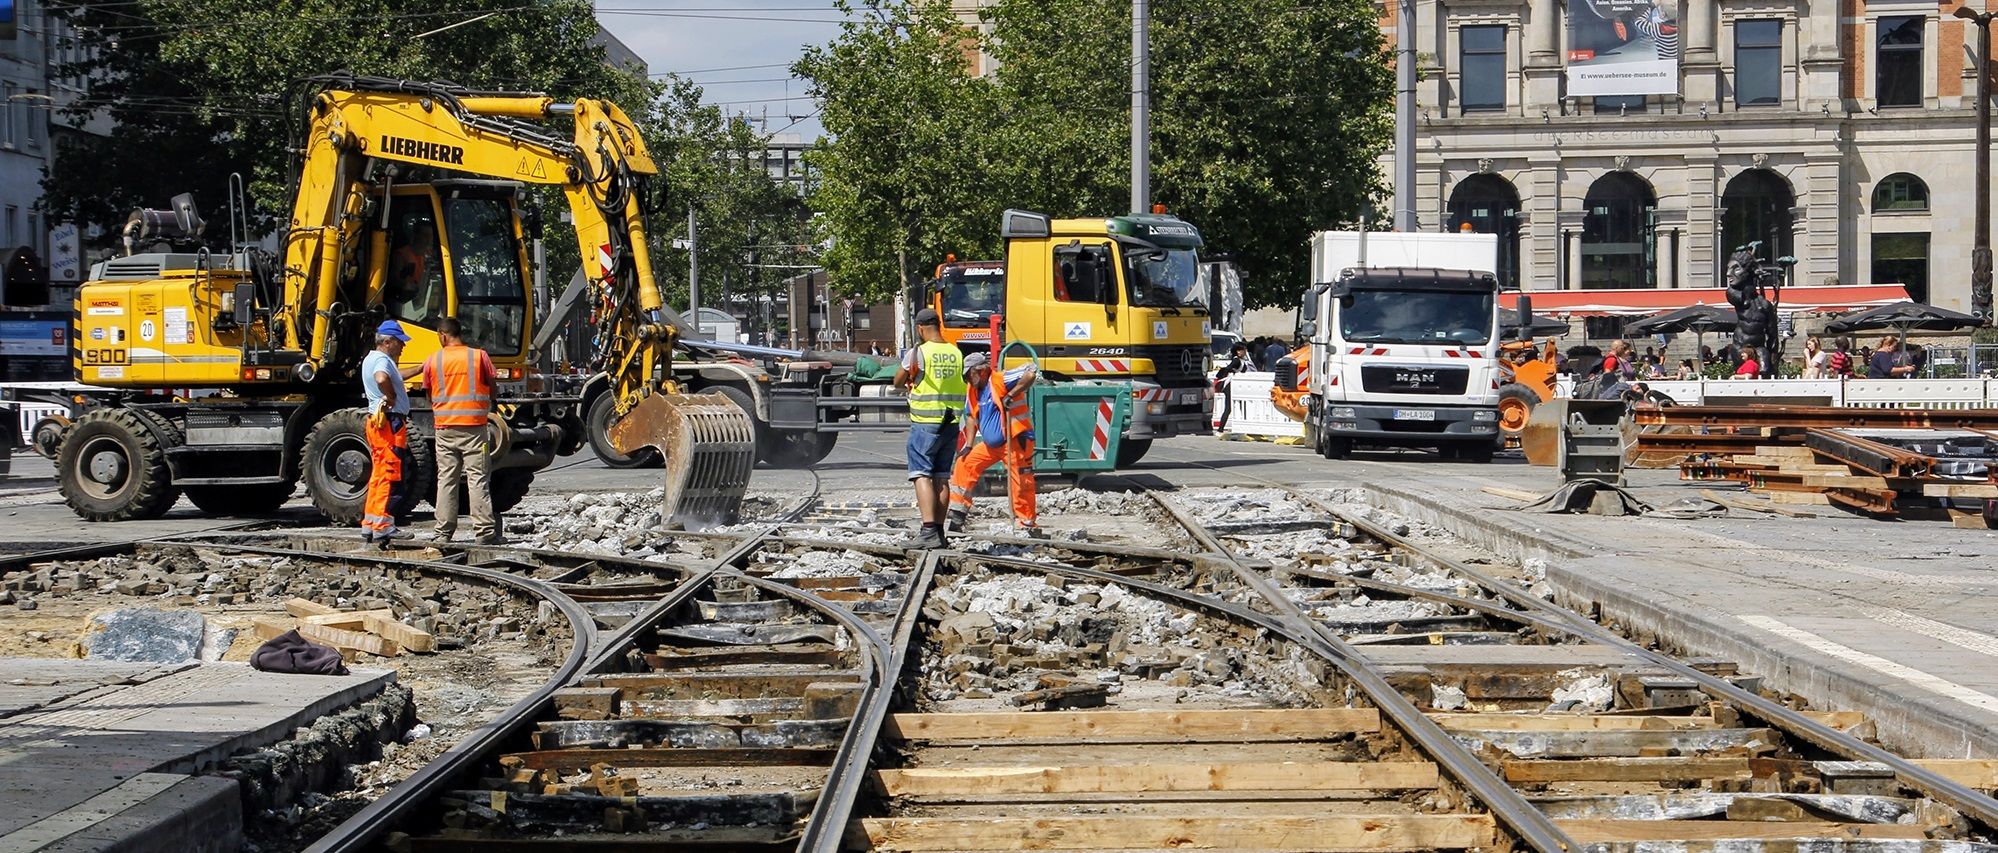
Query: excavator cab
[455, 249]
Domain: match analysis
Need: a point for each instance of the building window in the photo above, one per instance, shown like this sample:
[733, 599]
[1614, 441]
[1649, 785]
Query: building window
[1755, 208]
[7, 92]
[1900, 191]
[1481, 67]
[1618, 233]
[1897, 81]
[1903, 259]
[1617, 105]
[1488, 204]
[1758, 62]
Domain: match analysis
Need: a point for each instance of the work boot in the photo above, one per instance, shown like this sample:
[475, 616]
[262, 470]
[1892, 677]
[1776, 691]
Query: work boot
[490, 539]
[930, 536]
[958, 520]
[1033, 531]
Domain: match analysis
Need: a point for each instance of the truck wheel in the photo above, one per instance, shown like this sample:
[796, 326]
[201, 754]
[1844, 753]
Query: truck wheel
[1476, 452]
[798, 449]
[1515, 406]
[247, 500]
[509, 486]
[598, 425]
[112, 468]
[1336, 448]
[47, 435]
[1129, 451]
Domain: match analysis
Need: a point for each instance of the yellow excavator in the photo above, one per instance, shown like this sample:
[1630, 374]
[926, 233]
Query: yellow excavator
[233, 377]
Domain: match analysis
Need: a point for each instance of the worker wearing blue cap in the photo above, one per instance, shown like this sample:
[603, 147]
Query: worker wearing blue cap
[388, 435]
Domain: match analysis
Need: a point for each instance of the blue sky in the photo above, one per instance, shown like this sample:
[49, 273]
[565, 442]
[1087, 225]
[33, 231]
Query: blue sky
[737, 50]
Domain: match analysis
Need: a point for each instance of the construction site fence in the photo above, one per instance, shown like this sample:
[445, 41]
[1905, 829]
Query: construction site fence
[1870, 393]
[1250, 412]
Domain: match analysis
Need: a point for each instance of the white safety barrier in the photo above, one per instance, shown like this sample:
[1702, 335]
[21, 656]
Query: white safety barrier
[1250, 412]
[1868, 393]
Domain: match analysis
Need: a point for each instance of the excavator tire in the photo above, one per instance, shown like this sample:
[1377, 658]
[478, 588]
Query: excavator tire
[510, 486]
[797, 449]
[709, 444]
[336, 463]
[597, 426]
[1130, 450]
[47, 435]
[253, 500]
[112, 467]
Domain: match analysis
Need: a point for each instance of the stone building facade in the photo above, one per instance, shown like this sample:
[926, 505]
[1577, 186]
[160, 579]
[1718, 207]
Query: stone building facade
[1836, 131]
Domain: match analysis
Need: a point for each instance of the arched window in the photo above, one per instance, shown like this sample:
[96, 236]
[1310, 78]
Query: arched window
[1488, 204]
[1755, 207]
[1618, 233]
[1900, 191]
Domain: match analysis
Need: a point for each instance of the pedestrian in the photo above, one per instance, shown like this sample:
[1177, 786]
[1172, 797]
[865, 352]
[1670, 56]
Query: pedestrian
[932, 373]
[1273, 352]
[1654, 367]
[1687, 371]
[1887, 363]
[995, 406]
[1839, 364]
[460, 381]
[1750, 368]
[1817, 362]
[387, 431]
[1238, 362]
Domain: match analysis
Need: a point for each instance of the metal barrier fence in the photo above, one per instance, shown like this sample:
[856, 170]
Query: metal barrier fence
[1250, 412]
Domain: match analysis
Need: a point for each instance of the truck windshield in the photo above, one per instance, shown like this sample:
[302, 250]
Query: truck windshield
[1164, 279]
[972, 296]
[1416, 317]
[485, 267]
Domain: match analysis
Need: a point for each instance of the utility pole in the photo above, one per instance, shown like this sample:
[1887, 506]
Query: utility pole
[693, 272]
[1404, 116]
[1980, 252]
[1141, 119]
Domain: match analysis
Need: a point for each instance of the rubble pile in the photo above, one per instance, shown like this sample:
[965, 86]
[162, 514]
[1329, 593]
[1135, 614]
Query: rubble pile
[1000, 636]
[608, 523]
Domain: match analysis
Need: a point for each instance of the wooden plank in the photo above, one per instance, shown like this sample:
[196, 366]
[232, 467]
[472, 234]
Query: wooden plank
[1673, 769]
[1570, 722]
[582, 758]
[1753, 505]
[1610, 831]
[1979, 773]
[1126, 778]
[1798, 498]
[303, 607]
[1844, 481]
[1787, 451]
[268, 627]
[341, 638]
[1509, 494]
[384, 624]
[352, 620]
[1142, 726]
[1330, 832]
[1959, 490]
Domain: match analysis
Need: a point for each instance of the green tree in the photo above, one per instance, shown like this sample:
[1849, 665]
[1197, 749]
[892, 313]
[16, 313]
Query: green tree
[198, 89]
[1267, 117]
[906, 171]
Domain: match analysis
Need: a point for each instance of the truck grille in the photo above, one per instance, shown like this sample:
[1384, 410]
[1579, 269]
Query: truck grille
[1389, 379]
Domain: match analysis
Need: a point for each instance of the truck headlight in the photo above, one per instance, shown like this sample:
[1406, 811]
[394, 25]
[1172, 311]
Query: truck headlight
[1485, 415]
[1344, 413]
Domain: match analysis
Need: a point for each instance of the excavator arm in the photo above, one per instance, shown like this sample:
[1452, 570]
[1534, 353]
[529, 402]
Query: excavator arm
[335, 261]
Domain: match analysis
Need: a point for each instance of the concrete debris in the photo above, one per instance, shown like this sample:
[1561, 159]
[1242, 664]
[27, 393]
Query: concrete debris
[1444, 697]
[828, 564]
[159, 636]
[1583, 692]
[1234, 507]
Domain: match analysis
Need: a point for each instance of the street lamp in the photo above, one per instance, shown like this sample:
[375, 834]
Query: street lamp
[1980, 252]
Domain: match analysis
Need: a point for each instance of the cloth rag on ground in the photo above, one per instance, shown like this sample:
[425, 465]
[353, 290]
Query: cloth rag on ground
[289, 652]
[1590, 496]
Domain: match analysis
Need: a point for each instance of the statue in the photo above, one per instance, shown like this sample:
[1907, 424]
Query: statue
[1755, 314]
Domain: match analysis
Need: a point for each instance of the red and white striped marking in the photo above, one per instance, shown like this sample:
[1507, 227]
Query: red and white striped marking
[1099, 442]
[1102, 365]
[1147, 395]
[604, 259]
[1469, 353]
[1367, 351]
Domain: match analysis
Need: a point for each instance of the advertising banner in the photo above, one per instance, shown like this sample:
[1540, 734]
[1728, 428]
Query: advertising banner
[65, 254]
[34, 337]
[1623, 47]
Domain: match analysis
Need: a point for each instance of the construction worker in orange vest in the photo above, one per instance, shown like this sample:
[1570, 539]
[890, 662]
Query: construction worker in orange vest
[460, 380]
[387, 431]
[1000, 429]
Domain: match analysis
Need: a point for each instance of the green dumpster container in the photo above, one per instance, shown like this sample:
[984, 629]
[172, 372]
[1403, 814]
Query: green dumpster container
[1077, 425]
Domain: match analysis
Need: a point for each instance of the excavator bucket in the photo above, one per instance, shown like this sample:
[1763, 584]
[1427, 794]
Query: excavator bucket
[709, 444]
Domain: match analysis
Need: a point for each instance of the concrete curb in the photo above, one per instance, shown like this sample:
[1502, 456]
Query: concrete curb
[1912, 722]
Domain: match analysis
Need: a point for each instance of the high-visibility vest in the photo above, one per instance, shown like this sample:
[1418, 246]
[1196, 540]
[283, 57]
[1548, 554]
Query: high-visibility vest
[460, 379]
[942, 385]
[1018, 418]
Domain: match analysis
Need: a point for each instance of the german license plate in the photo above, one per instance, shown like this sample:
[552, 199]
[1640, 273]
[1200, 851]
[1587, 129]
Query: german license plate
[1189, 398]
[1415, 414]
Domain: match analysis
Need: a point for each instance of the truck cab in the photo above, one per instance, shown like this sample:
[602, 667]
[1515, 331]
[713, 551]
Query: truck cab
[1117, 298]
[1404, 357]
[965, 295]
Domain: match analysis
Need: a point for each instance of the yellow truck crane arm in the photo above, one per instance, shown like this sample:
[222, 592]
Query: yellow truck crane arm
[599, 165]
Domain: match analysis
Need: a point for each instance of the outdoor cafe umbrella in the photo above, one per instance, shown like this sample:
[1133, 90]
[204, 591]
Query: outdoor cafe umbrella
[1903, 317]
[1543, 327]
[1698, 319]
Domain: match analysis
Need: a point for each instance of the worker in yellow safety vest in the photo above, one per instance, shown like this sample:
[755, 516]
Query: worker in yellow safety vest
[996, 407]
[932, 373]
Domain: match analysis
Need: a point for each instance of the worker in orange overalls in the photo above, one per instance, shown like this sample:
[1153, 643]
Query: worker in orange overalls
[387, 431]
[1000, 429]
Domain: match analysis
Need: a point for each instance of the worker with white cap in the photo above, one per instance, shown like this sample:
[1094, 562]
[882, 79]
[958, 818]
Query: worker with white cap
[995, 409]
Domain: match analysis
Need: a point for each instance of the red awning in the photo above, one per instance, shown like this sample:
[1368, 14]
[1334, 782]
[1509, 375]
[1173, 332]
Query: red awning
[1645, 302]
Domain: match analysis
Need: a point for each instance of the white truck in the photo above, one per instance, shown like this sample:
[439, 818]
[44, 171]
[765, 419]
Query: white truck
[1403, 331]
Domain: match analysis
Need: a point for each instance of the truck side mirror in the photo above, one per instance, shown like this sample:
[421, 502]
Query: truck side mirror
[246, 304]
[1525, 305]
[1307, 329]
